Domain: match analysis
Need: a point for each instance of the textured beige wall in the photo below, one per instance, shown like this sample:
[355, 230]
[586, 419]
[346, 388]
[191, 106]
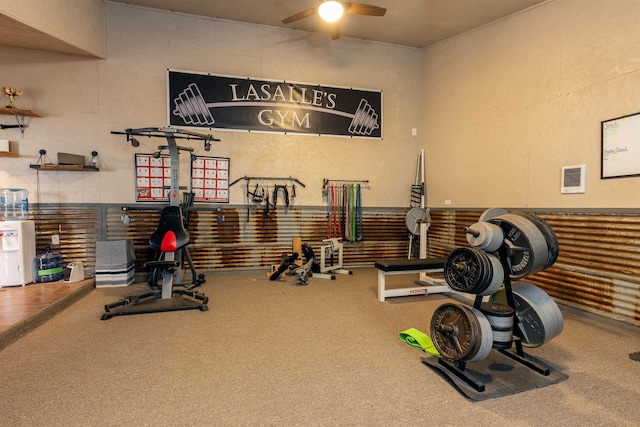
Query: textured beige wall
[84, 100]
[507, 106]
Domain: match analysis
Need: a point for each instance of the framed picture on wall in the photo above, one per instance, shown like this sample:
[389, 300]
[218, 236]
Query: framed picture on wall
[620, 139]
[210, 179]
[153, 178]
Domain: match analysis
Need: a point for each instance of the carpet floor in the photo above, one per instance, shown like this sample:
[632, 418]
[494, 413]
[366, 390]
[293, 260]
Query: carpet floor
[268, 353]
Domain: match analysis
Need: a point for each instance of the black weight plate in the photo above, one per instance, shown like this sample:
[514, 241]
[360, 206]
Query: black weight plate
[464, 269]
[454, 332]
[495, 309]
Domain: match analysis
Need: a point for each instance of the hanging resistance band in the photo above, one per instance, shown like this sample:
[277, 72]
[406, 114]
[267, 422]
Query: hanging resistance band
[360, 235]
[344, 209]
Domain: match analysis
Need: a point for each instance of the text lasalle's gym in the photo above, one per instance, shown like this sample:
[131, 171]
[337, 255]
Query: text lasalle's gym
[313, 212]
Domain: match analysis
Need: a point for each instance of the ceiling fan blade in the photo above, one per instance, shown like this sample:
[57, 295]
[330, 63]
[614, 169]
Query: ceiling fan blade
[364, 9]
[299, 16]
[334, 30]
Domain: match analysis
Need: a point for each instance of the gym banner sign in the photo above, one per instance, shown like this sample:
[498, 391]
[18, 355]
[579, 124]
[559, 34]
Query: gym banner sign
[239, 103]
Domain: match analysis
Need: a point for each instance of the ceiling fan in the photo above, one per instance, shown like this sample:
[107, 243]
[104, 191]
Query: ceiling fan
[331, 11]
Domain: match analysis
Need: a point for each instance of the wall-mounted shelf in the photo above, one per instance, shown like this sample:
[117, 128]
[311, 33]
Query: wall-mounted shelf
[8, 154]
[19, 114]
[68, 168]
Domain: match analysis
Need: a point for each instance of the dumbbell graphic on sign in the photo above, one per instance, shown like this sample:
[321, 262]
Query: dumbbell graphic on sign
[191, 107]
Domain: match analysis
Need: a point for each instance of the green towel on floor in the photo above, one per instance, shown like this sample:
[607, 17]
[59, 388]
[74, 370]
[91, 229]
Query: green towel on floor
[419, 340]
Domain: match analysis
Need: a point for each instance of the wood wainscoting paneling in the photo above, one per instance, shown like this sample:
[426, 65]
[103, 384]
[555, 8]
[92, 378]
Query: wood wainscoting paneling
[598, 267]
[230, 238]
[77, 228]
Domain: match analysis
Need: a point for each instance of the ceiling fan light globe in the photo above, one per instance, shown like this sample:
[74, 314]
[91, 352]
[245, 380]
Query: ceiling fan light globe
[330, 10]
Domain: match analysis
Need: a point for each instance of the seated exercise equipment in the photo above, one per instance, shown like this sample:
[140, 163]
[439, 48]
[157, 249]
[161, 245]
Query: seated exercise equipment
[417, 221]
[309, 269]
[170, 239]
[428, 285]
[288, 262]
[183, 253]
[328, 249]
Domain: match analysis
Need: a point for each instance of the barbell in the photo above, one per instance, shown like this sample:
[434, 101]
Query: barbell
[191, 107]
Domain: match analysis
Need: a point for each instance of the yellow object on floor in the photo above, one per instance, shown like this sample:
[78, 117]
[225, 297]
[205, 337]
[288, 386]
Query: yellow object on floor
[419, 340]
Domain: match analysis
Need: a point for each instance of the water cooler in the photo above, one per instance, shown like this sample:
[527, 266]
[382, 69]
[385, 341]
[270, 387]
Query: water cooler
[17, 252]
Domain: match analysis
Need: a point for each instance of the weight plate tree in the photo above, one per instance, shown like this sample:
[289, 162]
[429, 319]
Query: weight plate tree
[539, 317]
[473, 271]
[461, 333]
[506, 246]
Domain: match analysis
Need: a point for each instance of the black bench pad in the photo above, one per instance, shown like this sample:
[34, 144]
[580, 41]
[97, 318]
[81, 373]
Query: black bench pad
[400, 264]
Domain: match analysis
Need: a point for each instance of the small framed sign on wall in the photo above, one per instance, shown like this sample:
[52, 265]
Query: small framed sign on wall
[210, 179]
[153, 177]
[574, 179]
[621, 147]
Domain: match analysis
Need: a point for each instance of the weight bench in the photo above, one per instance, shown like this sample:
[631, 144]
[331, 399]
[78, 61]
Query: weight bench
[397, 266]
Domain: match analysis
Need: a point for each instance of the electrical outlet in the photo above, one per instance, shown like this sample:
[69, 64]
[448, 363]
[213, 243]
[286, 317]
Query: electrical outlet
[447, 201]
[55, 239]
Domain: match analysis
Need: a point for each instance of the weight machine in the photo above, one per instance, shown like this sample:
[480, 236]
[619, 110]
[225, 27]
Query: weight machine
[170, 238]
[328, 249]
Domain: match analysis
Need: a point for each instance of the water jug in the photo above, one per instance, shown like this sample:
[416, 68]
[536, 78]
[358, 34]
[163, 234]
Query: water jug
[14, 204]
[48, 266]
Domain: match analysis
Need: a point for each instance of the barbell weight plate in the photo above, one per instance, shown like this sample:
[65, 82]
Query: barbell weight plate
[499, 315]
[415, 217]
[491, 213]
[539, 317]
[501, 318]
[485, 236]
[473, 271]
[461, 333]
[553, 247]
[465, 269]
[486, 336]
[526, 246]
[494, 282]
